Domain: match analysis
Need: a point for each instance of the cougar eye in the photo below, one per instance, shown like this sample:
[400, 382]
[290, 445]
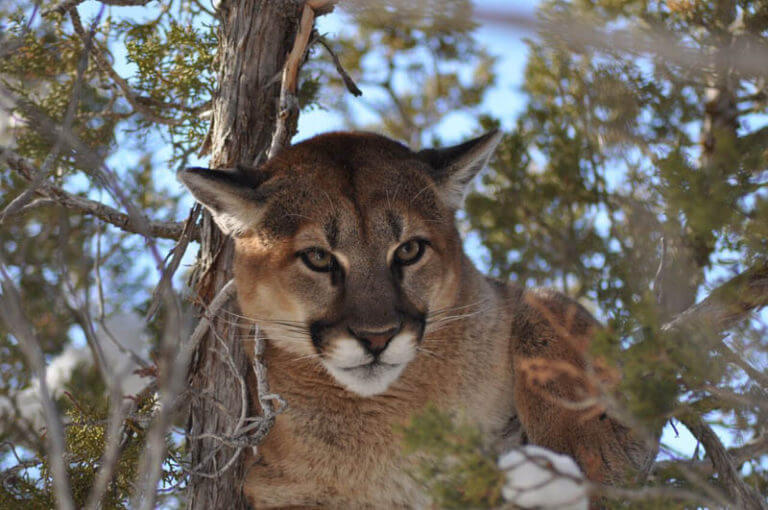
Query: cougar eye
[410, 252]
[318, 259]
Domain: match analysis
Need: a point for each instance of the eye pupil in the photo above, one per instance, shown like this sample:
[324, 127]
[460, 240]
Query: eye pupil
[409, 252]
[318, 259]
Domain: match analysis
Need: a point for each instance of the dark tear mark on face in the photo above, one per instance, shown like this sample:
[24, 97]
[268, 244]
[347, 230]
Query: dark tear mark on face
[331, 229]
[396, 224]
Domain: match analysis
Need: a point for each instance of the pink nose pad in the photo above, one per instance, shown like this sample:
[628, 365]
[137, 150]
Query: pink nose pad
[379, 342]
[375, 341]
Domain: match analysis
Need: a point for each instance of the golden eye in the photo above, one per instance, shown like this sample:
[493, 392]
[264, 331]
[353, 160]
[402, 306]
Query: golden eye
[410, 252]
[318, 259]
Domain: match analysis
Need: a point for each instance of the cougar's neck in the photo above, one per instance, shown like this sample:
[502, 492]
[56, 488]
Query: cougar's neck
[480, 303]
[482, 337]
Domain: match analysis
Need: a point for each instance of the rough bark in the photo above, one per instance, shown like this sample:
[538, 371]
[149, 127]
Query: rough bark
[254, 39]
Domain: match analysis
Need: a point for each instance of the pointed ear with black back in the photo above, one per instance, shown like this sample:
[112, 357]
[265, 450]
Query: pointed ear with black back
[234, 196]
[453, 168]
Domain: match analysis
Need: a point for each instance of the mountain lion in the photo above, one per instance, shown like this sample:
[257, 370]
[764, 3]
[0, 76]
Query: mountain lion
[348, 258]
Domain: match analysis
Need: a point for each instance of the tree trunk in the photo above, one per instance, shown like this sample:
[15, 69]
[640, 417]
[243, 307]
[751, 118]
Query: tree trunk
[254, 38]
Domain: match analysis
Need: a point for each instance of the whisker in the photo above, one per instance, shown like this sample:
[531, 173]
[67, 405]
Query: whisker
[305, 357]
[458, 307]
[429, 353]
[240, 316]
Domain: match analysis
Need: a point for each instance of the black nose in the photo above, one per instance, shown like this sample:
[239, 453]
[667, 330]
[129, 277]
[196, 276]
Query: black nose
[375, 341]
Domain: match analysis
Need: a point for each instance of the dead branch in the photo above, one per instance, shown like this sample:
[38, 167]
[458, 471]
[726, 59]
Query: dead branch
[187, 234]
[729, 477]
[118, 409]
[225, 294]
[726, 305]
[348, 81]
[649, 493]
[583, 33]
[15, 320]
[288, 112]
[739, 455]
[55, 195]
[66, 6]
[69, 116]
[732, 357]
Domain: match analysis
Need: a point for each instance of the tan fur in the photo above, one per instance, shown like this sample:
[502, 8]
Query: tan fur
[335, 448]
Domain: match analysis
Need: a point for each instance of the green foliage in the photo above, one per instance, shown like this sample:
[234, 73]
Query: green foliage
[86, 438]
[455, 465]
[175, 70]
[54, 253]
[603, 163]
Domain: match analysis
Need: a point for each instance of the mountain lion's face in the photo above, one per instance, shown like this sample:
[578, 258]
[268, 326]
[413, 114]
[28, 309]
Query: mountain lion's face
[345, 244]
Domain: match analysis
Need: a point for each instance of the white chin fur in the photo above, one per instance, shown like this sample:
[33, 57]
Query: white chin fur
[366, 380]
[348, 363]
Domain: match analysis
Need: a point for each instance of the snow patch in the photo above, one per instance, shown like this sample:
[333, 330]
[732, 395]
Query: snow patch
[540, 478]
[126, 328]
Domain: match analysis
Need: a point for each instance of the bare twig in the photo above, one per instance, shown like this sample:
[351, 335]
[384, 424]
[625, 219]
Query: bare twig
[187, 234]
[117, 411]
[729, 477]
[348, 81]
[288, 112]
[658, 280]
[583, 33]
[726, 305]
[126, 222]
[225, 294]
[67, 5]
[732, 357]
[14, 318]
[69, 116]
[645, 494]
[739, 455]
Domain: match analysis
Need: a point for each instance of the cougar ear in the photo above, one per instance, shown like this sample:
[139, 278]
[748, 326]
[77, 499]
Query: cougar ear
[232, 195]
[453, 168]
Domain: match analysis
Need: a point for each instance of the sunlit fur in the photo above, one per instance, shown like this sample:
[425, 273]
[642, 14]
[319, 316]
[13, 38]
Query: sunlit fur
[463, 338]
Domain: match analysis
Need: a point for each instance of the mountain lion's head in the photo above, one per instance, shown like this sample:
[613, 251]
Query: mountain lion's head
[345, 246]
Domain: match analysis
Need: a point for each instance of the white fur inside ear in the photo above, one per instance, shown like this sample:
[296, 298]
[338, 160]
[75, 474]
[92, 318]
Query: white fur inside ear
[232, 206]
[457, 166]
[541, 478]
[454, 193]
[236, 218]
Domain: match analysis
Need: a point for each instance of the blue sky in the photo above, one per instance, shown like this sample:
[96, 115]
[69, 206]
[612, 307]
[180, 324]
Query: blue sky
[504, 99]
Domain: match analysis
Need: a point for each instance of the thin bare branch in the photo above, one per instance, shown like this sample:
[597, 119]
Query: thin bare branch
[14, 318]
[288, 112]
[744, 495]
[726, 305]
[69, 116]
[732, 357]
[187, 234]
[348, 81]
[67, 5]
[117, 411]
[126, 222]
[583, 33]
[751, 450]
